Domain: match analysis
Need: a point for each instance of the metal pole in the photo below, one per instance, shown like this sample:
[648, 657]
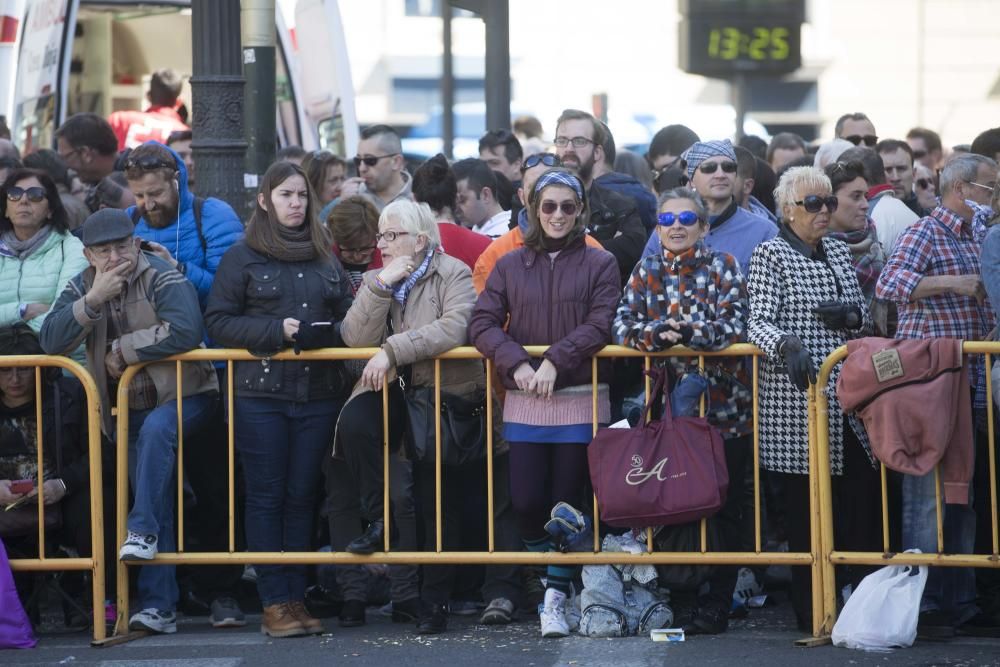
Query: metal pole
[258, 28]
[739, 90]
[447, 84]
[218, 145]
[497, 19]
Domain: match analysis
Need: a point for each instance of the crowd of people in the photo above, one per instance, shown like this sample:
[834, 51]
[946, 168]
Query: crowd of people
[573, 245]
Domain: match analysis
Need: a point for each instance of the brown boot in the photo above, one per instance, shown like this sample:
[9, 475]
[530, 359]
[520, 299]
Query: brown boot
[280, 621]
[312, 625]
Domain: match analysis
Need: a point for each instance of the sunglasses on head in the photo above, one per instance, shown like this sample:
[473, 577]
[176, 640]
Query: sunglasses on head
[370, 160]
[548, 159]
[728, 167]
[35, 194]
[814, 203]
[569, 208]
[148, 163]
[686, 218]
[869, 139]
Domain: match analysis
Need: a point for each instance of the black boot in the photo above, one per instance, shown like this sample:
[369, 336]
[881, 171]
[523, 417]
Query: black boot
[352, 614]
[434, 620]
[370, 541]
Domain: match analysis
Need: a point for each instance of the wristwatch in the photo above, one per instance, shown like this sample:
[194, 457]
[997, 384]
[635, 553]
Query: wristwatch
[22, 310]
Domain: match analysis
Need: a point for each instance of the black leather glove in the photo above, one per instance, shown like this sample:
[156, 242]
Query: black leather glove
[801, 371]
[310, 337]
[683, 329]
[837, 315]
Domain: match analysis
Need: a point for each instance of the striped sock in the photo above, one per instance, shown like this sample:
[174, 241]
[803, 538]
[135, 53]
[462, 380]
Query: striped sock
[557, 576]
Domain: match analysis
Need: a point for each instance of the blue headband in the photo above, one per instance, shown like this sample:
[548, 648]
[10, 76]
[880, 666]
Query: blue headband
[560, 178]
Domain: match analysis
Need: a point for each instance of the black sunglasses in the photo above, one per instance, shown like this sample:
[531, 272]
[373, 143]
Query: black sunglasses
[814, 203]
[919, 154]
[35, 194]
[370, 160]
[923, 183]
[869, 139]
[548, 159]
[148, 163]
[728, 167]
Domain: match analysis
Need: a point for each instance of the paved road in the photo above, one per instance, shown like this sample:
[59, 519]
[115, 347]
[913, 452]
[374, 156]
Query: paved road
[765, 639]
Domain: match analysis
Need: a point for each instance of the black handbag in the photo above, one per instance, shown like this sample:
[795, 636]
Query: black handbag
[463, 426]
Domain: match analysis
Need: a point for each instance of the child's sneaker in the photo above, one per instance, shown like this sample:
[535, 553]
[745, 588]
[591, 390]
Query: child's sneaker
[553, 616]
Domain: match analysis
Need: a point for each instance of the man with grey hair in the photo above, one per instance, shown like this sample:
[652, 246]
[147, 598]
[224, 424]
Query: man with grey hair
[933, 275]
[382, 177]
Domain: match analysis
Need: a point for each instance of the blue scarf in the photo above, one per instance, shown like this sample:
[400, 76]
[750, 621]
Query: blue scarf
[400, 293]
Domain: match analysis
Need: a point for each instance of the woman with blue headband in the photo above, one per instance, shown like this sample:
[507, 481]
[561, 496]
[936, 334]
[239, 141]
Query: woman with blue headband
[555, 291]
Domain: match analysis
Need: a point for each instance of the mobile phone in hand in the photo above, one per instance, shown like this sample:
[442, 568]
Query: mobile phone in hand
[20, 486]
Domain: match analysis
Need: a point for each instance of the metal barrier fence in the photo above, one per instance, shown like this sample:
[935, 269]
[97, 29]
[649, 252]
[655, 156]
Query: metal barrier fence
[438, 556]
[95, 562]
[819, 420]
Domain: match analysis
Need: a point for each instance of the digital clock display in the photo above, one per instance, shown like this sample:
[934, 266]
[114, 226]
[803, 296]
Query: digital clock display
[722, 46]
[756, 43]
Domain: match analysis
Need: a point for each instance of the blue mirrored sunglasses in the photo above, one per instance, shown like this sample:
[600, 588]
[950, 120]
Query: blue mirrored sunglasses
[686, 218]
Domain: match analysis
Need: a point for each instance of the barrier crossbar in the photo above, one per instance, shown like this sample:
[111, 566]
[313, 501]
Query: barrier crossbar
[831, 556]
[438, 556]
[95, 562]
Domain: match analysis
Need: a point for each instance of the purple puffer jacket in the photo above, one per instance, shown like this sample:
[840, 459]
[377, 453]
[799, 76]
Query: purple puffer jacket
[15, 628]
[567, 302]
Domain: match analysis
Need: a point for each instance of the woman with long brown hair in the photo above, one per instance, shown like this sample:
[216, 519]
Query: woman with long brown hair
[277, 287]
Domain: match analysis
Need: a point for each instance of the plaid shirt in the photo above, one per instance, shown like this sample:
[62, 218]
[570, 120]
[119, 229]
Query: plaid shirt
[942, 244]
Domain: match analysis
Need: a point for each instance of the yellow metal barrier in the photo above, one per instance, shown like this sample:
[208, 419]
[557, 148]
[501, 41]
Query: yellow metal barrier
[95, 563]
[438, 556]
[830, 556]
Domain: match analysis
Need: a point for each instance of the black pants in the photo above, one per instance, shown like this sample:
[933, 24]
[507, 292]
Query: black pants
[857, 520]
[729, 523]
[460, 486]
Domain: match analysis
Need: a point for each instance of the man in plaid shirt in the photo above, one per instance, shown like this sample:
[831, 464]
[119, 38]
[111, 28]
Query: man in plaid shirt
[934, 277]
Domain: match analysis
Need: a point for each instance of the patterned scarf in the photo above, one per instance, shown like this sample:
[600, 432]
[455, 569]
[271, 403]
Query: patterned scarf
[400, 293]
[866, 254]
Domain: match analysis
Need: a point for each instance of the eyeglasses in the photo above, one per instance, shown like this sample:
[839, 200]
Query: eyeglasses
[120, 247]
[66, 156]
[814, 203]
[984, 186]
[869, 139]
[917, 155]
[686, 218]
[35, 194]
[568, 208]
[370, 160]
[728, 167]
[389, 236]
[22, 371]
[548, 159]
[924, 183]
[148, 163]
[578, 142]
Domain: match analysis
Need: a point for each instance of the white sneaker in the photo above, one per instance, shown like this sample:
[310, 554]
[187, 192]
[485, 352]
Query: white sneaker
[138, 547]
[154, 620]
[553, 616]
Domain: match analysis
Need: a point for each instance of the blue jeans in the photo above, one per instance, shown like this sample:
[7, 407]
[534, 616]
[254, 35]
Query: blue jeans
[152, 459]
[282, 444]
[951, 590]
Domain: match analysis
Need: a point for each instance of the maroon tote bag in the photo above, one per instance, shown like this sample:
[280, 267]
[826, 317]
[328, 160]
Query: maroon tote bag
[669, 471]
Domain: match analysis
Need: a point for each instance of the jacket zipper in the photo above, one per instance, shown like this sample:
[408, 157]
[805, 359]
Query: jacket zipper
[552, 280]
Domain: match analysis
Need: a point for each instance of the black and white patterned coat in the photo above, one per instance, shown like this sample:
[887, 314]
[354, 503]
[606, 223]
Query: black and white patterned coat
[784, 286]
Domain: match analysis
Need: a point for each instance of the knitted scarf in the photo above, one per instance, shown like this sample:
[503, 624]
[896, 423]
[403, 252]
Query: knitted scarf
[11, 246]
[866, 254]
[400, 293]
[298, 245]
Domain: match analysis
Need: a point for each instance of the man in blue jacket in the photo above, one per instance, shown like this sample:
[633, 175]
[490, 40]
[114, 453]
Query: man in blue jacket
[192, 234]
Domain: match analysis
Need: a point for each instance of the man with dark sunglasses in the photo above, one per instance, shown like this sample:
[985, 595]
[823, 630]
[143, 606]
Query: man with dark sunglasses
[711, 170]
[382, 177]
[614, 218]
[926, 145]
[857, 128]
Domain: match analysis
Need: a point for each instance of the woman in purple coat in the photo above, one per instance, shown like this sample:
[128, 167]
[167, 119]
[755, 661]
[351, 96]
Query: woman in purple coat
[559, 292]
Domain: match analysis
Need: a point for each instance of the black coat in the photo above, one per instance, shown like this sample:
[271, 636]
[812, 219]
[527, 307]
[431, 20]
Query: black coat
[251, 296]
[616, 224]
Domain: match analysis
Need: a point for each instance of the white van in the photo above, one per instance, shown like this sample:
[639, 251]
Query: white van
[71, 56]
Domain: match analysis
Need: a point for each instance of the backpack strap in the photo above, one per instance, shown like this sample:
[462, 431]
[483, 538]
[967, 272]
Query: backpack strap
[199, 204]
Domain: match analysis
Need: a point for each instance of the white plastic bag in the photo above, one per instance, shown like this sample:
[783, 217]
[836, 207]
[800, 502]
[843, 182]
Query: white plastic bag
[882, 612]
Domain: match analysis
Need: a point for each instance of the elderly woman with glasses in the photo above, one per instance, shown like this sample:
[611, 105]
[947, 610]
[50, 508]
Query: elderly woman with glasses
[38, 254]
[688, 294]
[805, 302]
[558, 292]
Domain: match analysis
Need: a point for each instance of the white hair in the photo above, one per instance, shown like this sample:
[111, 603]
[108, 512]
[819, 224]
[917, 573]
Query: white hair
[416, 219]
[830, 151]
[797, 180]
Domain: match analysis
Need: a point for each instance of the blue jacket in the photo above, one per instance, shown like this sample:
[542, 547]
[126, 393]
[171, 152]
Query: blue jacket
[736, 231]
[220, 225]
[645, 201]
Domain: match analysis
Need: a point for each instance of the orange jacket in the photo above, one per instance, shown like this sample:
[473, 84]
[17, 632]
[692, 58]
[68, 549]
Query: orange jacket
[915, 400]
[510, 241]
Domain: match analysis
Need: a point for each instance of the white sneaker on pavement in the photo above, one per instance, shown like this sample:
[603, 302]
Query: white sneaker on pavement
[138, 547]
[553, 616]
[154, 620]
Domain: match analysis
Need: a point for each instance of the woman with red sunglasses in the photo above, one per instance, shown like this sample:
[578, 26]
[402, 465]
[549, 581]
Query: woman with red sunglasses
[559, 292]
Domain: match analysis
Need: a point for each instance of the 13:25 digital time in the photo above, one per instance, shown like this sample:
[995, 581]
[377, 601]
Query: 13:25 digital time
[759, 43]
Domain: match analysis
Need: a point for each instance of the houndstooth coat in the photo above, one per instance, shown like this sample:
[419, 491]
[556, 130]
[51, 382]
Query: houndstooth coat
[784, 286]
